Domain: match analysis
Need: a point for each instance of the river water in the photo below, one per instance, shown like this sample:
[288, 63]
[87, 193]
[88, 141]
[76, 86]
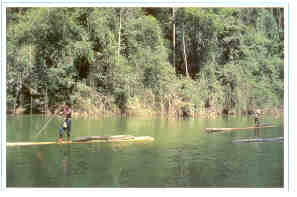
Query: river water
[182, 154]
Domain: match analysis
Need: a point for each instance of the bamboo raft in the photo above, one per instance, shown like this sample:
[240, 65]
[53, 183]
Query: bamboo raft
[275, 139]
[88, 140]
[238, 129]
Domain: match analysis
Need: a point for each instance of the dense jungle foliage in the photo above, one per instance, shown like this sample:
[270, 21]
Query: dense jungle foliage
[170, 61]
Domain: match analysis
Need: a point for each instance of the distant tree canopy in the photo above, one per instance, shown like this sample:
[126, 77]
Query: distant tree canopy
[207, 58]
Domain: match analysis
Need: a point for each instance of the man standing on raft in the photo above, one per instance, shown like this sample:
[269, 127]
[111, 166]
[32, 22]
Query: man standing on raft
[257, 117]
[66, 123]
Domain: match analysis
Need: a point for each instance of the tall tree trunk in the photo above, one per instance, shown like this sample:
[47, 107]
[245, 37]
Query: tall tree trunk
[46, 100]
[31, 103]
[29, 70]
[185, 54]
[281, 22]
[119, 44]
[173, 36]
[278, 14]
[18, 93]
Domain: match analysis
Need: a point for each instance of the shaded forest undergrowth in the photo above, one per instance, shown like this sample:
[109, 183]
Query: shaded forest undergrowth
[89, 103]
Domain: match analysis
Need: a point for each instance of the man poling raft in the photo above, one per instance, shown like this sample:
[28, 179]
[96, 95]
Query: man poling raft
[67, 113]
[66, 126]
[257, 117]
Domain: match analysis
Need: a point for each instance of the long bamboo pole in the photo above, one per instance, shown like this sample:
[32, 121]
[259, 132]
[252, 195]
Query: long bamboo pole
[45, 125]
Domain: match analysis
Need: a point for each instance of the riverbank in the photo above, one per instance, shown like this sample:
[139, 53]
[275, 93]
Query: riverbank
[89, 103]
[89, 111]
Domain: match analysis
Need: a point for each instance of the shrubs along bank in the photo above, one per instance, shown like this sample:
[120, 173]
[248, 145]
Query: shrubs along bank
[152, 61]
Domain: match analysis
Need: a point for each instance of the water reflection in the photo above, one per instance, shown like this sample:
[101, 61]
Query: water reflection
[257, 132]
[182, 155]
[66, 162]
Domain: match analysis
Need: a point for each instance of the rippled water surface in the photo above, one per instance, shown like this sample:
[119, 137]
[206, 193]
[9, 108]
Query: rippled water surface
[182, 155]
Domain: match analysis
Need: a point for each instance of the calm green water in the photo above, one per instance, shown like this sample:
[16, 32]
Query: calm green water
[182, 155]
